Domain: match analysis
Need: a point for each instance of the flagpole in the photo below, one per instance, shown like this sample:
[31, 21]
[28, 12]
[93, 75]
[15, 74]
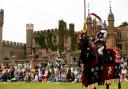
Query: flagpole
[84, 9]
[84, 15]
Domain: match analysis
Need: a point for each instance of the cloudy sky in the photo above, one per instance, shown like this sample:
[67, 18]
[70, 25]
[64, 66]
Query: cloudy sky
[44, 14]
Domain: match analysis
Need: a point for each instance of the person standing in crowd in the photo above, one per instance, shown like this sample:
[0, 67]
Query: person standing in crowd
[45, 75]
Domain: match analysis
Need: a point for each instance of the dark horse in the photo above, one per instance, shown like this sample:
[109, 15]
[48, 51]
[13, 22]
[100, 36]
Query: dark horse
[97, 68]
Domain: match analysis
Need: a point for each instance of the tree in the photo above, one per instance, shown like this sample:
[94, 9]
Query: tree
[41, 40]
[123, 54]
[123, 24]
[50, 45]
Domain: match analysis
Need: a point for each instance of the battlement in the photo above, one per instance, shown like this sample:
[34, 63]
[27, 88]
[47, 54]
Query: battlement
[54, 30]
[29, 26]
[37, 33]
[13, 44]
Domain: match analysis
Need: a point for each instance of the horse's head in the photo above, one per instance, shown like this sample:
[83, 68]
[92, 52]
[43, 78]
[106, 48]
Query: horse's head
[84, 41]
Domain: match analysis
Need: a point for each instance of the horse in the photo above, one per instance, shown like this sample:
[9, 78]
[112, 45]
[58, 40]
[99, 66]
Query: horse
[95, 67]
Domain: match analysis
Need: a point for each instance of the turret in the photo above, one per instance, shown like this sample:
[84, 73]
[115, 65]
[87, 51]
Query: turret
[111, 41]
[29, 35]
[1, 30]
[61, 32]
[94, 26]
[72, 34]
[104, 24]
[110, 19]
[89, 25]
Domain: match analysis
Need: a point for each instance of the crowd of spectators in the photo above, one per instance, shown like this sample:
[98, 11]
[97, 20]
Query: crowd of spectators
[49, 72]
[124, 69]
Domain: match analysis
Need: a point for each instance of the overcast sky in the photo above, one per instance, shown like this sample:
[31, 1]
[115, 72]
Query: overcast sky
[44, 14]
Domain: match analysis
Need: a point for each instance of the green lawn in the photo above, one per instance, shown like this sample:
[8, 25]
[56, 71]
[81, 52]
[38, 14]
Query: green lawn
[56, 85]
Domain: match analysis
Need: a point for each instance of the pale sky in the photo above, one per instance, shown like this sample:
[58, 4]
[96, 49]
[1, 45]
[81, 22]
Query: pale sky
[44, 14]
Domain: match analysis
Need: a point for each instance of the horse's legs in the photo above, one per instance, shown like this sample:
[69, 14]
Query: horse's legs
[119, 84]
[94, 86]
[107, 84]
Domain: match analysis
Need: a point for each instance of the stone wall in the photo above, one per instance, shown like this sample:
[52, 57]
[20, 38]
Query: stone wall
[13, 48]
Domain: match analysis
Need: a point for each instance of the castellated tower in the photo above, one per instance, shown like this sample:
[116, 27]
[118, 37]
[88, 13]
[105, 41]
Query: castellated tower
[29, 35]
[89, 25]
[111, 41]
[1, 30]
[62, 26]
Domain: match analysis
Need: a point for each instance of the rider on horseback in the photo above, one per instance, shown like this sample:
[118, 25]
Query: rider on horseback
[101, 41]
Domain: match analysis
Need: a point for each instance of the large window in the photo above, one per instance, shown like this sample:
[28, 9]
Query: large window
[120, 46]
[119, 35]
[54, 39]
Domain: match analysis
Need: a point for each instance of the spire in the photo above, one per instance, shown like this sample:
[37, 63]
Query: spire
[88, 9]
[89, 17]
[110, 7]
[104, 24]
[110, 16]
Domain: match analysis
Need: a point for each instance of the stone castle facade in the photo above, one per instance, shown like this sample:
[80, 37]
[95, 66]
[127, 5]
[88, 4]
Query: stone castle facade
[64, 37]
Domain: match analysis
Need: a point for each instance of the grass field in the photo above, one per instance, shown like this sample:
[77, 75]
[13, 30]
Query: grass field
[56, 85]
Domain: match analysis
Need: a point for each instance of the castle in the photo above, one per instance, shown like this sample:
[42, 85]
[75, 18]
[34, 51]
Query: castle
[66, 39]
[62, 38]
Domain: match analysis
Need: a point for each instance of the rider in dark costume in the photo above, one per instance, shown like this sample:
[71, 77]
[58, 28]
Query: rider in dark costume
[101, 42]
